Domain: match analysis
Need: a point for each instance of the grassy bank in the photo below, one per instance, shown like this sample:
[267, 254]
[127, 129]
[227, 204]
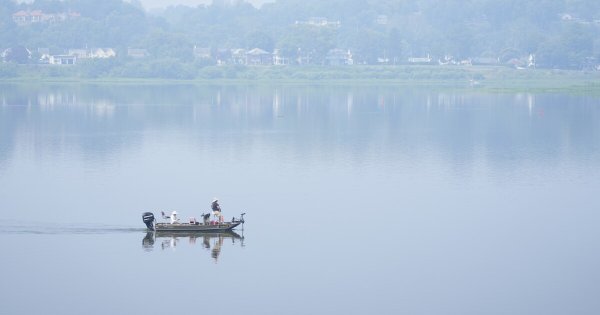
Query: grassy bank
[495, 78]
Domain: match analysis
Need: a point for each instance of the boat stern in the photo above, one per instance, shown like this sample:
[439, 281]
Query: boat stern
[148, 218]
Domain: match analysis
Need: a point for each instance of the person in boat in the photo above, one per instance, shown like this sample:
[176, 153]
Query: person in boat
[216, 209]
[206, 218]
[174, 218]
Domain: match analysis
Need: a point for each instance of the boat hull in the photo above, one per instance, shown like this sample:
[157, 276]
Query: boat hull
[194, 234]
[186, 227]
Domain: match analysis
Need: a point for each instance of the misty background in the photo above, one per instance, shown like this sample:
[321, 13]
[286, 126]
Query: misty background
[556, 34]
[407, 196]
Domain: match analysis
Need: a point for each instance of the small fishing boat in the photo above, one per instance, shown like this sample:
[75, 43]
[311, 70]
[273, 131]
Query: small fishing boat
[193, 226]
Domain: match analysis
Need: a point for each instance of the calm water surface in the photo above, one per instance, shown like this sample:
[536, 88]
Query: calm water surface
[358, 200]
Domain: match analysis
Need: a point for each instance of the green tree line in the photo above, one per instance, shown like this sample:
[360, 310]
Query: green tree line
[561, 33]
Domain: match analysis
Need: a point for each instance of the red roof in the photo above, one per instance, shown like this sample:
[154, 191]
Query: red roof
[21, 13]
[36, 13]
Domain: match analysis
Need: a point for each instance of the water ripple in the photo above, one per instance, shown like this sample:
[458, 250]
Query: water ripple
[55, 229]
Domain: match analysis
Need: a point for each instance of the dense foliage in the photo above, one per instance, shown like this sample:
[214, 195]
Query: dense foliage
[561, 33]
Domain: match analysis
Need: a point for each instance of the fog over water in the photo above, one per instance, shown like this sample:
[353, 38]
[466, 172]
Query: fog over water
[385, 200]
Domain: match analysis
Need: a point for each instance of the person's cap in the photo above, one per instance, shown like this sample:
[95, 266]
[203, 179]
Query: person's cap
[215, 199]
[174, 212]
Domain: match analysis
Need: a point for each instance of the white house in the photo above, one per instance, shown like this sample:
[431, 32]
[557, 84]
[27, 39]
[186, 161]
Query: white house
[279, 59]
[62, 60]
[80, 53]
[424, 60]
[258, 56]
[102, 53]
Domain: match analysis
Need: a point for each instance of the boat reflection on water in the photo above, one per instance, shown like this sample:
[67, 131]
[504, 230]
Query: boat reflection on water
[210, 241]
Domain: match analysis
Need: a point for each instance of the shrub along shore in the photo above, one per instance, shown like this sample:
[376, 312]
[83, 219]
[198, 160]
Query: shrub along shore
[442, 76]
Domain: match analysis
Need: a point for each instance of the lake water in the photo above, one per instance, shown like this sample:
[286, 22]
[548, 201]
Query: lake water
[359, 200]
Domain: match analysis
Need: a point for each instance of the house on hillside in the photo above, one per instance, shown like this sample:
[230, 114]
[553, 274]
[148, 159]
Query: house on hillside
[320, 22]
[62, 60]
[80, 53]
[258, 56]
[238, 56]
[27, 17]
[466, 62]
[279, 59]
[102, 53]
[447, 60]
[420, 60]
[93, 53]
[23, 17]
[36, 16]
[339, 57]
[44, 55]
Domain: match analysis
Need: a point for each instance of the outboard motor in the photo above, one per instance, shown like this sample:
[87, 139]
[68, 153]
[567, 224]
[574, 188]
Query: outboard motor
[148, 218]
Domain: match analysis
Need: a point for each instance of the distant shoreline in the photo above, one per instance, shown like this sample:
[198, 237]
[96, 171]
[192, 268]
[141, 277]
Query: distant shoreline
[472, 77]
